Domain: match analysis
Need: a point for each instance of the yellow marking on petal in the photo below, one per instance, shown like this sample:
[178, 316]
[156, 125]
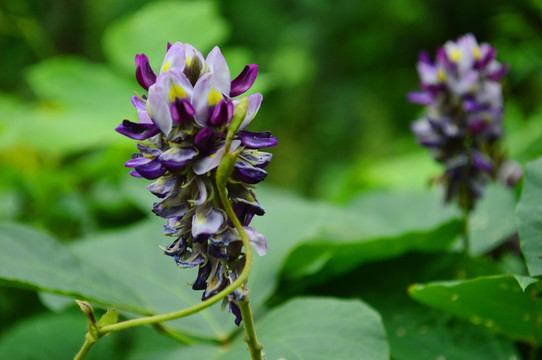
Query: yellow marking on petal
[214, 97]
[212, 155]
[476, 52]
[176, 92]
[441, 75]
[166, 65]
[455, 55]
[188, 61]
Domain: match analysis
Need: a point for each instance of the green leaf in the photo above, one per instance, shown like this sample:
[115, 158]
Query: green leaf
[382, 225]
[53, 336]
[493, 220]
[35, 260]
[418, 333]
[529, 215]
[151, 28]
[80, 105]
[505, 304]
[109, 318]
[306, 328]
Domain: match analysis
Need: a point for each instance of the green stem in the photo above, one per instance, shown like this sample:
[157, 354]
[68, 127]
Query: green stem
[254, 347]
[466, 240]
[180, 337]
[85, 349]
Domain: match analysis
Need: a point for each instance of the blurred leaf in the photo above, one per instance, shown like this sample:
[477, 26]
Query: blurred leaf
[530, 217]
[306, 328]
[81, 104]
[149, 30]
[418, 333]
[505, 304]
[493, 220]
[53, 336]
[386, 225]
[35, 260]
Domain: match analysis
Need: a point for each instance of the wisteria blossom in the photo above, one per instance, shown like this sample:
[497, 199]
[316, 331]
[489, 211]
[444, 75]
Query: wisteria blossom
[181, 129]
[462, 124]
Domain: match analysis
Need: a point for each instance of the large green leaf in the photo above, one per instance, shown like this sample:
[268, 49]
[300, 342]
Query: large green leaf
[529, 215]
[306, 328]
[35, 260]
[493, 220]
[149, 29]
[381, 226]
[54, 336]
[505, 304]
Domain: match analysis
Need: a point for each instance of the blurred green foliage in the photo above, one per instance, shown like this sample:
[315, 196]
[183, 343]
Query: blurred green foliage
[334, 75]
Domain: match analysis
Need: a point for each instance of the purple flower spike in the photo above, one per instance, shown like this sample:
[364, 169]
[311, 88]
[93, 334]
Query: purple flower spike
[184, 119]
[256, 140]
[463, 121]
[244, 81]
[144, 74]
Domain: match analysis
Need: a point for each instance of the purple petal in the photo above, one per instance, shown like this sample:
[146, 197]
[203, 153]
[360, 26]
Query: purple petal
[257, 158]
[134, 173]
[182, 111]
[222, 113]
[203, 274]
[211, 161]
[204, 140]
[234, 309]
[482, 162]
[244, 81]
[176, 158]
[137, 131]
[248, 174]
[152, 170]
[423, 97]
[219, 68]
[158, 106]
[498, 73]
[256, 140]
[257, 240]
[175, 59]
[205, 97]
[137, 161]
[144, 74]
[254, 102]
[162, 186]
[207, 221]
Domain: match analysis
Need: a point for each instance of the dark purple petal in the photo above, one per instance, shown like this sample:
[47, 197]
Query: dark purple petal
[203, 274]
[190, 262]
[222, 113]
[248, 173]
[482, 162]
[234, 309]
[182, 111]
[489, 55]
[499, 74]
[478, 125]
[137, 131]
[244, 81]
[423, 57]
[204, 140]
[420, 97]
[152, 170]
[137, 160]
[218, 252]
[256, 140]
[144, 74]
[134, 173]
